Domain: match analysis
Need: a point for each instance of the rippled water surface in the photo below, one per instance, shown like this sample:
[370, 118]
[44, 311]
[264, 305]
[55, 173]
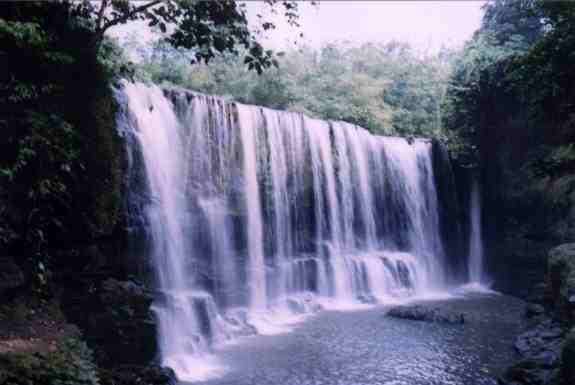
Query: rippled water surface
[366, 347]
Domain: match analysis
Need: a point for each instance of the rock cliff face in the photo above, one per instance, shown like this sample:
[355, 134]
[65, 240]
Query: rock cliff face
[451, 183]
[548, 347]
[526, 212]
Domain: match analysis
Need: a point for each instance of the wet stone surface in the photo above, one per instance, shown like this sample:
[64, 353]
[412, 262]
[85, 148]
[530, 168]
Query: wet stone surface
[426, 313]
[366, 347]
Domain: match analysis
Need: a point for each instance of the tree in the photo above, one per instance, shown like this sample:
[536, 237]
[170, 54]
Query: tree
[203, 27]
[386, 88]
[507, 20]
[544, 75]
[480, 82]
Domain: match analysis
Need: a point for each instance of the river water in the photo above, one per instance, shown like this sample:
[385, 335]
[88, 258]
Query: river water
[366, 347]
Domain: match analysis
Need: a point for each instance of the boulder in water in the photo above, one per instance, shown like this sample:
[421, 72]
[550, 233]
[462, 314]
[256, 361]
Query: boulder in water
[304, 304]
[366, 298]
[238, 321]
[426, 313]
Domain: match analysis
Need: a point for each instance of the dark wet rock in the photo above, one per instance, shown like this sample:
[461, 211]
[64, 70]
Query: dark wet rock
[534, 310]
[238, 320]
[450, 207]
[307, 304]
[528, 342]
[567, 370]
[138, 375]
[536, 294]
[542, 342]
[11, 276]
[561, 281]
[366, 298]
[542, 349]
[127, 326]
[425, 313]
[526, 372]
[125, 293]
[117, 322]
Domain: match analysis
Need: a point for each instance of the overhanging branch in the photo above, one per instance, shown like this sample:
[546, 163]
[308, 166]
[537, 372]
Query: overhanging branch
[101, 30]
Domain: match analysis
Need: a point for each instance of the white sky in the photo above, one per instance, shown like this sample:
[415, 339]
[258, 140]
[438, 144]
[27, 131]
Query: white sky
[427, 24]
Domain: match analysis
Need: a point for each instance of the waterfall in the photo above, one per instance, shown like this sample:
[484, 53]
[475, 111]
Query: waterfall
[250, 212]
[476, 274]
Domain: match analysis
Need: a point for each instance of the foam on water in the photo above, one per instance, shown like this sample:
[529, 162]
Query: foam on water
[475, 287]
[194, 368]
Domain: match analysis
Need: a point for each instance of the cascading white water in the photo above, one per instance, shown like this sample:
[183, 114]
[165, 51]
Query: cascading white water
[164, 148]
[248, 118]
[475, 267]
[255, 209]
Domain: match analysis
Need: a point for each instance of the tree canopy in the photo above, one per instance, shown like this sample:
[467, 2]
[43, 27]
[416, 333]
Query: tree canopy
[508, 30]
[388, 88]
[510, 97]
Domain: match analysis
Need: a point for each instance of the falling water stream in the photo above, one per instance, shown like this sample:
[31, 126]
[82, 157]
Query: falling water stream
[257, 218]
[476, 274]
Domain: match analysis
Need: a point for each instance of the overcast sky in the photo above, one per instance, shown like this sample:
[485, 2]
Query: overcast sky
[428, 24]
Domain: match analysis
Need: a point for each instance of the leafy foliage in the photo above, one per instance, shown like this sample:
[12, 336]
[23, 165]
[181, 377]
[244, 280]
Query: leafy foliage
[70, 364]
[510, 104]
[518, 67]
[39, 148]
[509, 29]
[387, 88]
[553, 161]
[205, 28]
[544, 75]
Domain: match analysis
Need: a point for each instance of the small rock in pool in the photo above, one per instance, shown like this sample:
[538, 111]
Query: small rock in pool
[424, 313]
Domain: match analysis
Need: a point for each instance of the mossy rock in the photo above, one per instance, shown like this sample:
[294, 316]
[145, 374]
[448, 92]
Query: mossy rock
[103, 157]
[561, 281]
[118, 324]
[70, 364]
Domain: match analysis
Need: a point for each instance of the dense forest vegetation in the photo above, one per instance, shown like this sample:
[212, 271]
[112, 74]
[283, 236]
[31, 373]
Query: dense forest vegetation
[510, 103]
[389, 88]
[504, 104]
